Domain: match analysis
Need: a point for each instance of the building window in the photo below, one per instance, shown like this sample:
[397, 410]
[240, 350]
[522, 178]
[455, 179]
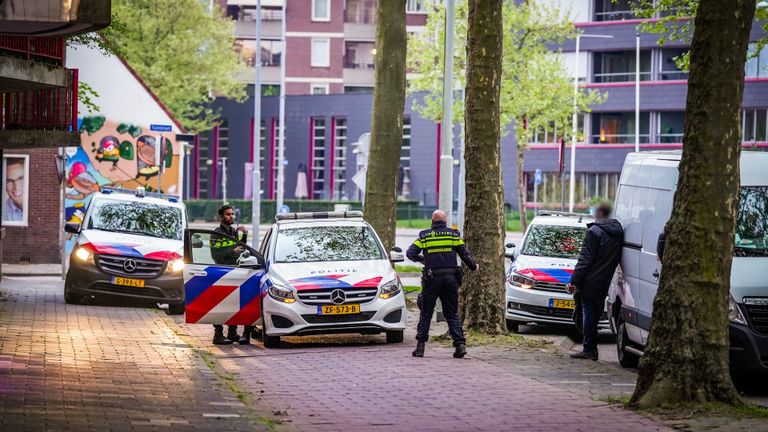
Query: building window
[753, 125]
[340, 159]
[271, 51]
[358, 89]
[360, 12]
[275, 156]
[318, 158]
[319, 89]
[321, 52]
[359, 55]
[553, 132]
[619, 128]
[671, 126]
[202, 165]
[757, 63]
[404, 176]
[589, 188]
[619, 66]
[416, 6]
[668, 69]
[223, 140]
[613, 10]
[262, 154]
[321, 10]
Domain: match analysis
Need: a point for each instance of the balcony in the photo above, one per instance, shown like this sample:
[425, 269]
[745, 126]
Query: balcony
[619, 128]
[359, 55]
[613, 10]
[360, 19]
[619, 66]
[245, 21]
[45, 50]
[54, 17]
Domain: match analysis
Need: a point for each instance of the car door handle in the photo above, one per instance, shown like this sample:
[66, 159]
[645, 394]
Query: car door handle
[198, 273]
[655, 274]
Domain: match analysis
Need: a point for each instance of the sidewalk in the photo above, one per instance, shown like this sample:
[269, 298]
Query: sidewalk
[31, 269]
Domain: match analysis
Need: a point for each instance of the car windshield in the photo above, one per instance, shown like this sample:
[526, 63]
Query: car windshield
[752, 222]
[137, 218]
[554, 241]
[327, 243]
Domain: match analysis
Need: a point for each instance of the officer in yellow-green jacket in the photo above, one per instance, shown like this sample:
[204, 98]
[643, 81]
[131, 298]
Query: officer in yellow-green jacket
[226, 251]
[438, 248]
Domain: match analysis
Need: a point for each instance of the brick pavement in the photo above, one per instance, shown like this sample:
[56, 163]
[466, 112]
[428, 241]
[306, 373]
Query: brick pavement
[79, 368]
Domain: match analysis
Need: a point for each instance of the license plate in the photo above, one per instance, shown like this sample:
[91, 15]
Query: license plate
[562, 304]
[338, 309]
[137, 283]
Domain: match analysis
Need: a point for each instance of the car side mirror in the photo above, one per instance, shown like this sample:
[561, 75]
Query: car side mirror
[510, 251]
[396, 255]
[72, 227]
[197, 241]
[251, 260]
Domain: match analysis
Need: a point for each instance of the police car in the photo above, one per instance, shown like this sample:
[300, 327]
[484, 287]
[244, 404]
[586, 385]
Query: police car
[314, 273]
[129, 244]
[541, 269]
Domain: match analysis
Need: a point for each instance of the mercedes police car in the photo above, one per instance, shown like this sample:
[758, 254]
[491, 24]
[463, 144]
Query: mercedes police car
[541, 269]
[129, 245]
[314, 273]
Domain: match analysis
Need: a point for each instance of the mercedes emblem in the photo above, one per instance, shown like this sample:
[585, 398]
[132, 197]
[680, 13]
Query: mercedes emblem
[129, 265]
[338, 296]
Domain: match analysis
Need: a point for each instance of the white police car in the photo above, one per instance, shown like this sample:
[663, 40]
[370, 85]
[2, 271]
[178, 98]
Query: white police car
[541, 269]
[314, 273]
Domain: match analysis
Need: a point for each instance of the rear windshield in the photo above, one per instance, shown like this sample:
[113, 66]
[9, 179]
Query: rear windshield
[327, 243]
[554, 241]
[137, 218]
[752, 222]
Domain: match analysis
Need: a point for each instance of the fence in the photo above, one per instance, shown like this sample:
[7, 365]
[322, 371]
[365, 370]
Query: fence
[46, 109]
[46, 49]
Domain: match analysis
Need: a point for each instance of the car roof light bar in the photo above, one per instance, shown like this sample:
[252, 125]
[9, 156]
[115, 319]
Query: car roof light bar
[140, 192]
[565, 214]
[319, 215]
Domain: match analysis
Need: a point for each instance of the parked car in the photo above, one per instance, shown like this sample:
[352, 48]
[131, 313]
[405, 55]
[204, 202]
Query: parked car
[541, 269]
[643, 206]
[129, 245]
[314, 273]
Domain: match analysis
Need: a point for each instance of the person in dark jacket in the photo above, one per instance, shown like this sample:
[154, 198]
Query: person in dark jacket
[600, 254]
[438, 248]
[225, 251]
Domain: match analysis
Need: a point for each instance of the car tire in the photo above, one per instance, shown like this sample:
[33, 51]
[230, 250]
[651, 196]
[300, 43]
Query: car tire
[70, 297]
[395, 336]
[626, 359]
[175, 309]
[270, 341]
[513, 326]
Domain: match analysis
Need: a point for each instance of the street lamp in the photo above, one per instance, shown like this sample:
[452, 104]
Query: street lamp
[256, 163]
[574, 126]
[445, 199]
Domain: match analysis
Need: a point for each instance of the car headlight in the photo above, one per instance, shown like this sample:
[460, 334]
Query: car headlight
[390, 289]
[84, 254]
[520, 281]
[734, 312]
[175, 266]
[281, 294]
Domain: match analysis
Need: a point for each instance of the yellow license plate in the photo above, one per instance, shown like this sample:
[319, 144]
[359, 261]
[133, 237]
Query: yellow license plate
[562, 304]
[137, 283]
[338, 309]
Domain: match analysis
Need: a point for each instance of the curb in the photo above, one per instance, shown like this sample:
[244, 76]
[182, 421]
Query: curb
[18, 274]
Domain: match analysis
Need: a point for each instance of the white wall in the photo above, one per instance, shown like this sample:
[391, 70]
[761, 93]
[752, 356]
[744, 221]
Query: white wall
[121, 95]
[569, 60]
[579, 9]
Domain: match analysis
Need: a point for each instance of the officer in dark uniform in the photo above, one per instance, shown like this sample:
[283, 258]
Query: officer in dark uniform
[226, 251]
[437, 248]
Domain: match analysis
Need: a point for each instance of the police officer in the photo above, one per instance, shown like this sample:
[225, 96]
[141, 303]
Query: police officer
[225, 251]
[437, 249]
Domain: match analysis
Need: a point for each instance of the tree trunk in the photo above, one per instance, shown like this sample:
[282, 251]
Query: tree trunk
[521, 185]
[483, 294]
[387, 122]
[686, 358]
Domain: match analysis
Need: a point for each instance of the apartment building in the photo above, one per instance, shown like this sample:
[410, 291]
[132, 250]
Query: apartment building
[330, 43]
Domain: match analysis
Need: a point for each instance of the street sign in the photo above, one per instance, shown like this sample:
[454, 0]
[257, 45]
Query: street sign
[160, 128]
[537, 177]
[285, 209]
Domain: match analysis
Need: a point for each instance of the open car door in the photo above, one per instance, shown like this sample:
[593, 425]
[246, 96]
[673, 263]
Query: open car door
[222, 279]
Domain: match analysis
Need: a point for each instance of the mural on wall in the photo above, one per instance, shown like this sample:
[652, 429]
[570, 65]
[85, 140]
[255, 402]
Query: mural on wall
[117, 155]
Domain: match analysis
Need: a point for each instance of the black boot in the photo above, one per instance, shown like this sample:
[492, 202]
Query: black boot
[461, 351]
[219, 339]
[245, 339]
[419, 351]
[232, 334]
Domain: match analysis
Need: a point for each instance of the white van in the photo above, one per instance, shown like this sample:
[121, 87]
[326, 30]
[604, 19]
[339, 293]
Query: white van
[643, 206]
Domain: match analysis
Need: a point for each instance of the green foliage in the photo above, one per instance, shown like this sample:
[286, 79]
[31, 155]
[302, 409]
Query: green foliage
[86, 95]
[535, 84]
[91, 124]
[134, 130]
[183, 53]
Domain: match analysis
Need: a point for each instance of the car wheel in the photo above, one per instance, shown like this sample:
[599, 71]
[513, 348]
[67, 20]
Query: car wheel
[270, 341]
[395, 336]
[175, 309]
[513, 326]
[69, 296]
[626, 359]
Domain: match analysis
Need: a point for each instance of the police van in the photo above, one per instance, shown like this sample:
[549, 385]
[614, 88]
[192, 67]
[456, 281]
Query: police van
[314, 273]
[540, 270]
[130, 245]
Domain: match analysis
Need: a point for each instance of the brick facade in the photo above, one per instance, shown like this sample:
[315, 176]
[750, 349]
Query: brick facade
[38, 242]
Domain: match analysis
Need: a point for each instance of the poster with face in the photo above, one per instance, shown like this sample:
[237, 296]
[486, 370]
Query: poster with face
[15, 198]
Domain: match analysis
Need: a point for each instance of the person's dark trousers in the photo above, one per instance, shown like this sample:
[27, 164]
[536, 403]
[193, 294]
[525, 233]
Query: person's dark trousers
[446, 288]
[219, 329]
[592, 308]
